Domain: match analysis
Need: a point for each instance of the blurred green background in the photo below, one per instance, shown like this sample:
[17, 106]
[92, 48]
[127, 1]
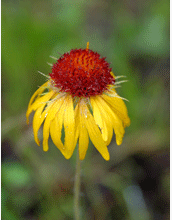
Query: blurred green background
[134, 37]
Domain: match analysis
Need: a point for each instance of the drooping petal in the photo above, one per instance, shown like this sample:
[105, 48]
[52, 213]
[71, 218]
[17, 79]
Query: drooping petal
[37, 124]
[93, 131]
[40, 101]
[116, 121]
[99, 119]
[119, 107]
[38, 92]
[77, 124]
[38, 119]
[51, 114]
[69, 126]
[60, 117]
[106, 120]
[83, 134]
[56, 136]
[55, 132]
[83, 141]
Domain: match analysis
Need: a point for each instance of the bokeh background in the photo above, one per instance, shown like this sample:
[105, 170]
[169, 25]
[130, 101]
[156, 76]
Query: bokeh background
[134, 38]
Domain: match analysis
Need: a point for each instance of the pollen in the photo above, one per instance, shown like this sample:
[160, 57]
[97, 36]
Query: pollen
[81, 73]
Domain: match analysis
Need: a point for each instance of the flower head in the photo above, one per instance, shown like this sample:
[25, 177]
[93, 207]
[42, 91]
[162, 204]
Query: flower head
[80, 99]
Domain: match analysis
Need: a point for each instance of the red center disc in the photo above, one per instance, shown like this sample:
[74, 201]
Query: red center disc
[81, 72]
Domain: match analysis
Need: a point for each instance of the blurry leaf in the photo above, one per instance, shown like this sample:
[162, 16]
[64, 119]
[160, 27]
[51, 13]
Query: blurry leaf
[15, 174]
[53, 213]
[67, 206]
[6, 211]
[152, 38]
[136, 204]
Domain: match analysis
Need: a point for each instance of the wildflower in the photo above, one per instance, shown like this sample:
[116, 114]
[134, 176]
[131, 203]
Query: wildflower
[79, 99]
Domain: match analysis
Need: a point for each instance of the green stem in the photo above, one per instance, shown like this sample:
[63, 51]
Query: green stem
[77, 187]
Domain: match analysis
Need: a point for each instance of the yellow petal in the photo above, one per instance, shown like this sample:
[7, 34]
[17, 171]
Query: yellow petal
[96, 113]
[98, 119]
[39, 102]
[38, 91]
[116, 121]
[55, 132]
[38, 119]
[69, 126]
[107, 121]
[77, 124]
[36, 123]
[50, 116]
[119, 107]
[93, 131]
[109, 129]
[83, 137]
[56, 136]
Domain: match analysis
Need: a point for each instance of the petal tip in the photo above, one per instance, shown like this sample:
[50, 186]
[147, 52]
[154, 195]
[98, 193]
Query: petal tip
[38, 142]
[119, 142]
[81, 157]
[45, 149]
[67, 156]
[107, 157]
[45, 145]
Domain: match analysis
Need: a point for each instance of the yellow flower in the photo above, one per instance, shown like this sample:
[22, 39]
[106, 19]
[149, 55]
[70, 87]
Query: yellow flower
[80, 99]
